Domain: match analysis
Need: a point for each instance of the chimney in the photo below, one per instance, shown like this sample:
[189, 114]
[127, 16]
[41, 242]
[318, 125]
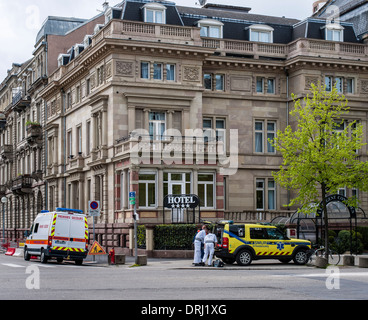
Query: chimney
[105, 6]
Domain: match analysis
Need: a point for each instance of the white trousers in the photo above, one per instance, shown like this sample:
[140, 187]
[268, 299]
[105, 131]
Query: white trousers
[209, 250]
[197, 251]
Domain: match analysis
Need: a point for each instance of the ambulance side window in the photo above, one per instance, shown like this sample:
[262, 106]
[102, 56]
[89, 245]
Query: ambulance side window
[239, 231]
[275, 234]
[35, 228]
[257, 233]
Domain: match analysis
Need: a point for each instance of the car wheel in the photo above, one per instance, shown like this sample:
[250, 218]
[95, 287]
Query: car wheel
[79, 262]
[244, 258]
[43, 257]
[27, 256]
[300, 257]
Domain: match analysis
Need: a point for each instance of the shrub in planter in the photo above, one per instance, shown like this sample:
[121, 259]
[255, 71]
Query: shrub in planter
[345, 241]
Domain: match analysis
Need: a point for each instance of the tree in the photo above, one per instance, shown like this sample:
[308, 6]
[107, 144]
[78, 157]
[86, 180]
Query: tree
[320, 154]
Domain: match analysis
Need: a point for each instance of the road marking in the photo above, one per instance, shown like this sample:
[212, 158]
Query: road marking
[12, 265]
[323, 275]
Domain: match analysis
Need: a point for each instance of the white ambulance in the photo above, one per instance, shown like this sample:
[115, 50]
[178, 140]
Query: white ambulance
[59, 234]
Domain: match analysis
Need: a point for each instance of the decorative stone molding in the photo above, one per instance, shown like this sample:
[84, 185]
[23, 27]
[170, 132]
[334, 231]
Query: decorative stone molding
[124, 68]
[309, 80]
[192, 73]
[364, 86]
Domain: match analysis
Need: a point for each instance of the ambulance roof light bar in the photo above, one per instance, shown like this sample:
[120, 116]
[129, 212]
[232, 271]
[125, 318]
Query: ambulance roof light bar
[69, 210]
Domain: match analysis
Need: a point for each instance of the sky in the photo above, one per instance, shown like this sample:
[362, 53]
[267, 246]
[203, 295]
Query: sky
[20, 20]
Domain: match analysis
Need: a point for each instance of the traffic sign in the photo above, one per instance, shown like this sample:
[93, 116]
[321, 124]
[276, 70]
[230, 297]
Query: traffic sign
[96, 249]
[94, 209]
[132, 197]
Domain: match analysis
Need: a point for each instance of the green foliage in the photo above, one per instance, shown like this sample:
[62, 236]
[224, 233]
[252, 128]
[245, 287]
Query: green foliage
[141, 236]
[346, 241]
[364, 232]
[319, 151]
[174, 236]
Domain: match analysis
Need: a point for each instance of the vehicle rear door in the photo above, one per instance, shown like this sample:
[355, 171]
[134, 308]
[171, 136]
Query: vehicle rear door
[61, 233]
[77, 232]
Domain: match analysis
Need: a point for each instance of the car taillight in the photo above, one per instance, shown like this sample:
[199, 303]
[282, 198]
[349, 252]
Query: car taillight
[225, 243]
[49, 242]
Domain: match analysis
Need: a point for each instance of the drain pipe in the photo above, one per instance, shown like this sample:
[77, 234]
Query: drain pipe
[287, 118]
[63, 95]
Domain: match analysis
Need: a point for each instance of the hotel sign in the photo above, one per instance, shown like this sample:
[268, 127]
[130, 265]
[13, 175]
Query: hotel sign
[183, 201]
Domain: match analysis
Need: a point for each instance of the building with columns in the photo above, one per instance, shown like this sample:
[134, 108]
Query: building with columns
[121, 110]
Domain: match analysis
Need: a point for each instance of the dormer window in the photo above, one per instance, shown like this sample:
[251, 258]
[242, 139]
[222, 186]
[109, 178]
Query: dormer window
[334, 32]
[260, 33]
[211, 28]
[154, 13]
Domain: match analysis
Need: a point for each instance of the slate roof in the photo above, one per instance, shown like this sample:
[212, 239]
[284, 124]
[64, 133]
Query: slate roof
[58, 26]
[236, 20]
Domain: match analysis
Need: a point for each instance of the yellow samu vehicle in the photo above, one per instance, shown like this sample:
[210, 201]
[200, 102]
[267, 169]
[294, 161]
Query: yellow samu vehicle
[244, 243]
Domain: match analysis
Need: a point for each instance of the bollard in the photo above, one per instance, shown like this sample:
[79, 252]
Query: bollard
[142, 260]
[363, 262]
[348, 260]
[321, 262]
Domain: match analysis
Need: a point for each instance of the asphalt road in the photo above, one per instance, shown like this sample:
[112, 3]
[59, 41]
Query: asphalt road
[177, 280]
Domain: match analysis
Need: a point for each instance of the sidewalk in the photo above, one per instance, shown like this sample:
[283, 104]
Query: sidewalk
[162, 263]
[166, 263]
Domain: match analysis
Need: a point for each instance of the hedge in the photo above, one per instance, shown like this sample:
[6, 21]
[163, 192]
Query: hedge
[174, 236]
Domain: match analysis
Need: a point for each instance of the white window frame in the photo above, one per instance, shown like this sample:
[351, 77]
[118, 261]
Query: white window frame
[168, 65]
[156, 125]
[352, 87]
[265, 133]
[205, 184]
[155, 8]
[210, 25]
[337, 32]
[146, 183]
[333, 80]
[257, 30]
[265, 193]
[158, 65]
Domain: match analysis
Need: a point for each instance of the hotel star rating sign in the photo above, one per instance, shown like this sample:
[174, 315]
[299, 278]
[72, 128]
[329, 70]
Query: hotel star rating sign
[183, 201]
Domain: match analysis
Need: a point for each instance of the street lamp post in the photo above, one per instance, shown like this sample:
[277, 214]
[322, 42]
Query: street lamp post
[4, 200]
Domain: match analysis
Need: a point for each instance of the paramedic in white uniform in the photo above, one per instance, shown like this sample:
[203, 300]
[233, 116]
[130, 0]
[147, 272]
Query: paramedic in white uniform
[199, 239]
[209, 247]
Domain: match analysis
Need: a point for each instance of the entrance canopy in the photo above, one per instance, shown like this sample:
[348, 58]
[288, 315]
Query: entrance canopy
[309, 222]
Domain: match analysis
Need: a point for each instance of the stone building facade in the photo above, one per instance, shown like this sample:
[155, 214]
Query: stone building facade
[121, 115]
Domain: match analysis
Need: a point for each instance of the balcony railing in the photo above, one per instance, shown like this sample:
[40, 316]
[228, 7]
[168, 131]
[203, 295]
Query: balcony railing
[190, 36]
[22, 184]
[20, 101]
[169, 146]
[6, 151]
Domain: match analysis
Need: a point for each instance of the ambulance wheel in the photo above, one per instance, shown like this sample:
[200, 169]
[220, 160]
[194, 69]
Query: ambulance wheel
[244, 258]
[301, 257]
[59, 260]
[43, 257]
[27, 256]
[79, 262]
